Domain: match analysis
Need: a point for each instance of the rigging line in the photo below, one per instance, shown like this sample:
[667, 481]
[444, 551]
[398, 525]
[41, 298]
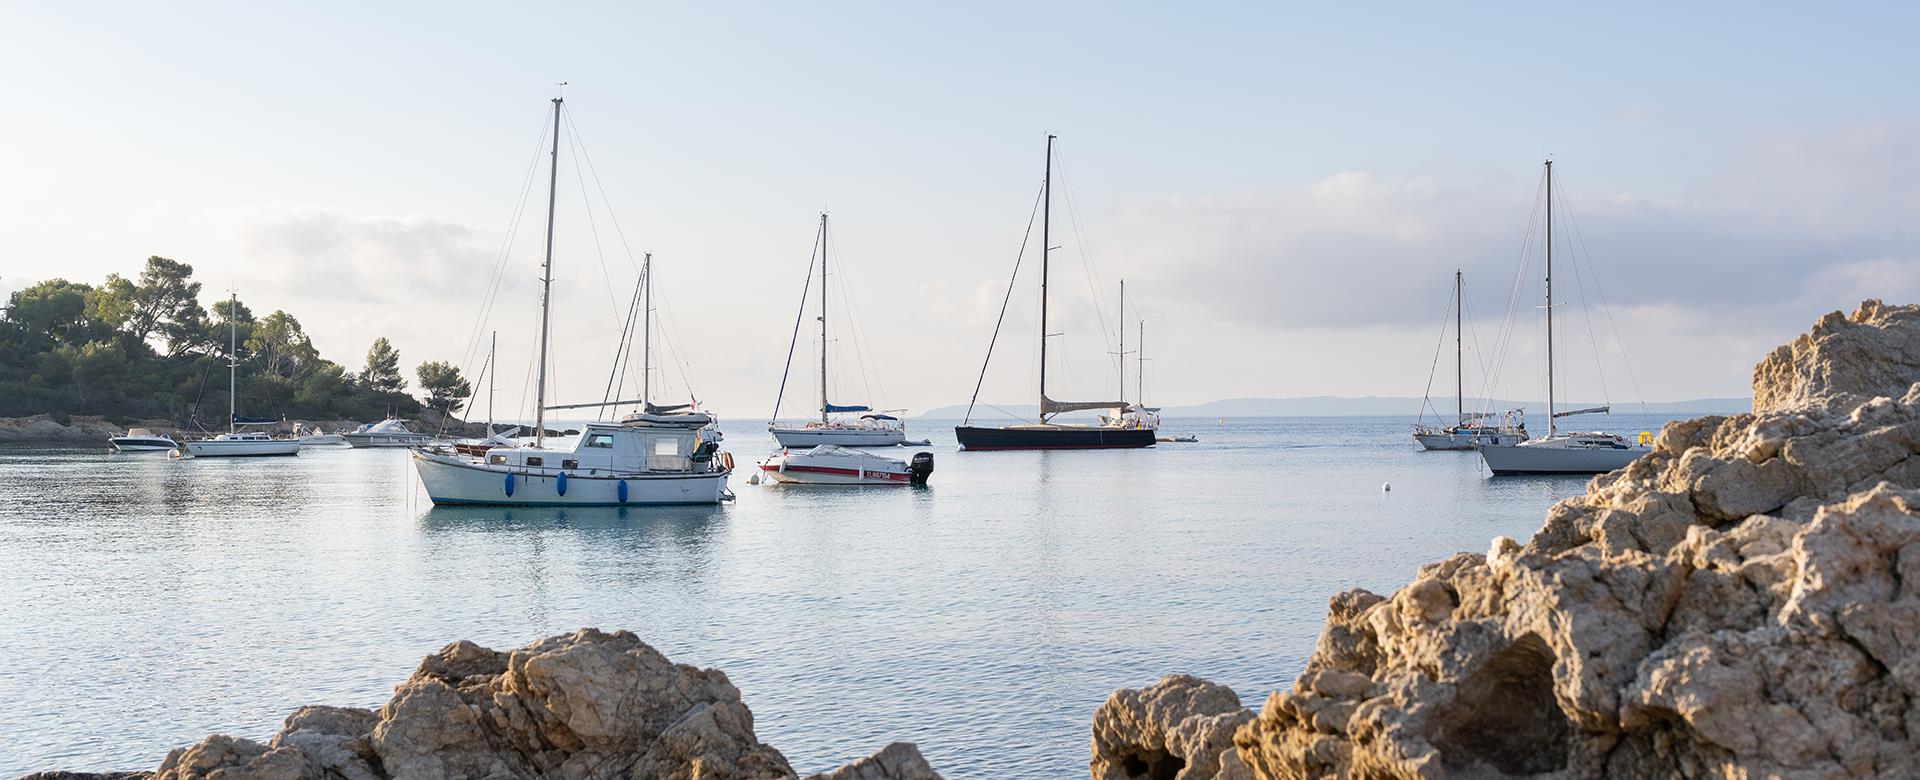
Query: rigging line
[613, 306]
[506, 248]
[1087, 264]
[1509, 323]
[1586, 312]
[1028, 236]
[1426, 398]
[1608, 311]
[677, 348]
[604, 200]
[620, 355]
[1010, 414]
[780, 399]
[863, 348]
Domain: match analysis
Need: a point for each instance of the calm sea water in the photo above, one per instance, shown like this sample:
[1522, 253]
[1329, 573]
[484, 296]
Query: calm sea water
[145, 603]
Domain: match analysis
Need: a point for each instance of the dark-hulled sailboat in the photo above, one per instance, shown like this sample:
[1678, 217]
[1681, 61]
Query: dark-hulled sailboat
[1045, 434]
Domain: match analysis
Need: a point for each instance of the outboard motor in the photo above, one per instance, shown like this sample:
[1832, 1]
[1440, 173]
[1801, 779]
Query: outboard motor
[704, 452]
[920, 468]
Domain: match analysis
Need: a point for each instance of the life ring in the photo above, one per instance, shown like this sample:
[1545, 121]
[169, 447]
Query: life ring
[1646, 438]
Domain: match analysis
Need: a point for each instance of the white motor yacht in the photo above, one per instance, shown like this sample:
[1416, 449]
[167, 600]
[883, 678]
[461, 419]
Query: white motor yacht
[143, 440]
[386, 433]
[830, 464]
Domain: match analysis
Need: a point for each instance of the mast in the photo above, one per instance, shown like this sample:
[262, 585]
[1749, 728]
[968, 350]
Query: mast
[493, 371]
[823, 318]
[546, 284]
[1123, 339]
[646, 334]
[233, 356]
[1046, 248]
[1459, 375]
[1550, 424]
[1140, 382]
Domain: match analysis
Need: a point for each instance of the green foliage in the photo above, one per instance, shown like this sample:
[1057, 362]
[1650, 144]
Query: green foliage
[446, 389]
[382, 373]
[71, 348]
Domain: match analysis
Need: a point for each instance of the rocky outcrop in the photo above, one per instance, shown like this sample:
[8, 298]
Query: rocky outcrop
[1178, 729]
[583, 705]
[64, 429]
[1744, 601]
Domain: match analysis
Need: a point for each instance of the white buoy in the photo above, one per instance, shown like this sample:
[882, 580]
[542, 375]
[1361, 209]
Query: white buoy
[753, 480]
[1386, 487]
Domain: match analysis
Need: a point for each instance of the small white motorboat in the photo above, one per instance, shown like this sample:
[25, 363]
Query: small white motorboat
[143, 440]
[386, 433]
[831, 464]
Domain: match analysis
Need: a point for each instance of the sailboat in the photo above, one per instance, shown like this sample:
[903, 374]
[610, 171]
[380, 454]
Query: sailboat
[1046, 434]
[493, 438]
[634, 462]
[235, 443]
[1133, 415]
[652, 414]
[1560, 453]
[869, 429]
[1468, 431]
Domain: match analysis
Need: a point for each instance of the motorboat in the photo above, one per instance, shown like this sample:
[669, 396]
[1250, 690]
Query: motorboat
[870, 428]
[236, 443]
[1468, 431]
[1046, 434]
[831, 464]
[660, 455]
[386, 433]
[143, 440]
[609, 465]
[1562, 453]
[242, 444]
[317, 438]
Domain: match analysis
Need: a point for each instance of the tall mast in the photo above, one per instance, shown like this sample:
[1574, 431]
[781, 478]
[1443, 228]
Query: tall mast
[1046, 248]
[1123, 339]
[646, 334]
[823, 318]
[233, 356]
[493, 372]
[1550, 423]
[1140, 382]
[1459, 376]
[546, 284]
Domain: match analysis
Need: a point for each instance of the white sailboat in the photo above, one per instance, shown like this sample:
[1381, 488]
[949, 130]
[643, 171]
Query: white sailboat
[868, 429]
[1560, 453]
[1136, 414]
[1468, 431]
[652, 458]
[234, 443]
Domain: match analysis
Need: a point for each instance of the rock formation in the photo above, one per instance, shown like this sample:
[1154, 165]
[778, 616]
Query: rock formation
[1741, 602]
[583, 705]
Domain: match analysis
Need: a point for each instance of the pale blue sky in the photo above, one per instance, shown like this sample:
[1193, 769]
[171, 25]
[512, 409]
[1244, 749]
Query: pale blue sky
[1288, 190]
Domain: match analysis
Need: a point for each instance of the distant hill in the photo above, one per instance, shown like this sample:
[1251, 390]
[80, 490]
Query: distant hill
[1368, 406]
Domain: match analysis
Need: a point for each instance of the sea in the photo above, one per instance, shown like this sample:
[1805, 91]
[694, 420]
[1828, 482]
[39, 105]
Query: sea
[146, 602]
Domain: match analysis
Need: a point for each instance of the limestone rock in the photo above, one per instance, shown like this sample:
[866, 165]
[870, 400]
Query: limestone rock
[584, 705]
[1744, 601]
[1175, 729]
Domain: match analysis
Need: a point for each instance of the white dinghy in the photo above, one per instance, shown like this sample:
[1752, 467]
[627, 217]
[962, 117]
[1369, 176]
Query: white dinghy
[830, 464]
[142, 440]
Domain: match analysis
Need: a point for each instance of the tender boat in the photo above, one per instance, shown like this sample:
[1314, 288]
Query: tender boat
[1046, 434]
[868, 430]
[233, 443]
[1562, 453]
[317, 437]
[830, 464]
[143, 440]
[386, 433]
[659, 455]
[1468, 431]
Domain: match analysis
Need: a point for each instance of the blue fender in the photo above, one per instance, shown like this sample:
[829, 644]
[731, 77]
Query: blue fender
[621, 489]
[561, 484]
[509, 485]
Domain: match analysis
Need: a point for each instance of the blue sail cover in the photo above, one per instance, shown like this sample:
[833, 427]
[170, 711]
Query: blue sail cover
[238, 420]
[854, 408]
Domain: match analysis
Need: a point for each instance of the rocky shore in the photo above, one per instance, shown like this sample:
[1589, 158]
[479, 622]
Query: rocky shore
[585, 705]
[1742, 602]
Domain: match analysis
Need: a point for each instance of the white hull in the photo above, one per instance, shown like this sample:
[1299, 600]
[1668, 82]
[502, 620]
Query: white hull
[1465, 441]
[796, 438]
[451, 480]
[215, 448]
[143, 444]
[1544, 458]
[387, 439]
[323, 440]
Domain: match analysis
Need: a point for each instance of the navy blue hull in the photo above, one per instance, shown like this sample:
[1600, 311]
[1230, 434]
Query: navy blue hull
[1063, 438]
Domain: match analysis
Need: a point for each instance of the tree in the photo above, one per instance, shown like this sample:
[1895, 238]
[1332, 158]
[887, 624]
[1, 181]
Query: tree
[111, 304]
[382, 374]
[51, 309]
[446, 389]
[163, 295]
[284, 347]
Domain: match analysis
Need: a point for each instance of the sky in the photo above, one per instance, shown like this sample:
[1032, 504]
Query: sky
[1286, 191]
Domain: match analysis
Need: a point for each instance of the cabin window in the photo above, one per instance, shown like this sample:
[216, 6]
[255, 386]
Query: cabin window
[569, 464]
[600, 441]
[666, 446]
[497, 460]
[535, 460]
